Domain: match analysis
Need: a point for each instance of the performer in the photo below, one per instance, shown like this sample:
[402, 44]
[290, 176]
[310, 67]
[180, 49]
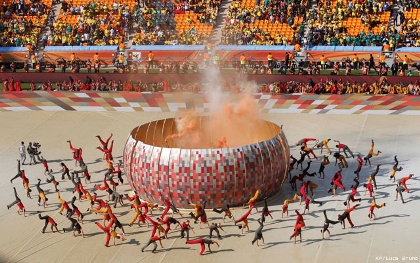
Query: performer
[323, 144]
[41, 194]
[104, 143]
[300, 223]
[226, 210]
[107, 231]
[17, 202]
[372, 207]
[395, 169]
[77, 153]
[48, 220]
[203, 242]
[346, 215]
[215, 227]
[153, 240]
[404, 180]
[258, 233]
[371, 154]
[327, 223]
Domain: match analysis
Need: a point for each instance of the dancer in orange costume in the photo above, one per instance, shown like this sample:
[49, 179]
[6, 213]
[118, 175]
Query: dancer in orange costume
[200, 212]
[308, 151]
[253, 199]
[203, 242]
[25, 180]
[64, 204]
[52, 180]
[226, 210]
[244, 218]
[155, 226]
[395, 169]
[372, 207]
[41, 194]
[371, 153]
[341, 160]
[87, 196]
[107, 231]
[323, 144]
[285, 207]
[372, 177]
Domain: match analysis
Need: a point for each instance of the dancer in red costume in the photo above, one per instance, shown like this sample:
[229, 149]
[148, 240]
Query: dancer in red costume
[369, 187]
[107, 230]
[107, 152]
[48, 220]
[203, 242]
[300, 223]
[77, 153]
[168, 221]
[404, 180]
[265, 211]
[359, 165]
[304, 141]
[104, 143]
[244, 218]
[346, 215]
[17, 202]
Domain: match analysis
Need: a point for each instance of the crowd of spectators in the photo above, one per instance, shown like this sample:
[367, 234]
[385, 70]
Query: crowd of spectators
[333, 86]
[94, 23]
[327, 86]
[21, 23]
[240, 28]
[328, 27]
[157, 25]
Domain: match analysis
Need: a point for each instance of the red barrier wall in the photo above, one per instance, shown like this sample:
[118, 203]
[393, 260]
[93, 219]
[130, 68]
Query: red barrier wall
[191, 78]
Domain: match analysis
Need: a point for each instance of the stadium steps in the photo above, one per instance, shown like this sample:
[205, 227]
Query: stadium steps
[46, 30]
[216, 34]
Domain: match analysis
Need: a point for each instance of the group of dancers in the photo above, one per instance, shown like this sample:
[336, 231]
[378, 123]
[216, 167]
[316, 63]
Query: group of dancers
[105, 197]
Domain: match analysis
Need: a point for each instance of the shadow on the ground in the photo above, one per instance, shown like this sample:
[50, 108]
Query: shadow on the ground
[272, 244]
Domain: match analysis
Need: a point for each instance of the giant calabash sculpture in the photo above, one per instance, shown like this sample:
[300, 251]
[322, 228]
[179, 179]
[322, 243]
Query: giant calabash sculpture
[160, 162]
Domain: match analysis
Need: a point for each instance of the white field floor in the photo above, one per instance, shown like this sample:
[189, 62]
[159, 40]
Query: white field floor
[393, 235]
